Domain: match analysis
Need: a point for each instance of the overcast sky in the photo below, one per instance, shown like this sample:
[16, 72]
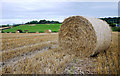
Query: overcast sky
[18, 12]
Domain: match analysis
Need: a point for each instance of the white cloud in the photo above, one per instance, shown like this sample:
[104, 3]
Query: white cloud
[14, 21]
[16, 12]
[20, 21]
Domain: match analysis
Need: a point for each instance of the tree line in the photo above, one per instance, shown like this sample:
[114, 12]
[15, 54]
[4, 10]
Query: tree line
[43, 22]
[33, 22]
[112, 21]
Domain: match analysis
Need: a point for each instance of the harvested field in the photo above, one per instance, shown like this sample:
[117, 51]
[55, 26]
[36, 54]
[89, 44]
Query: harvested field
[39, 53]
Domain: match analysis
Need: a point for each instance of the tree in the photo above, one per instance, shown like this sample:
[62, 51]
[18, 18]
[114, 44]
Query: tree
[6, 25]
[42, 22]
[112, 24]
[32, 22]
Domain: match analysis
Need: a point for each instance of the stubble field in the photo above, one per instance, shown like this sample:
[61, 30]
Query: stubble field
[30, 53]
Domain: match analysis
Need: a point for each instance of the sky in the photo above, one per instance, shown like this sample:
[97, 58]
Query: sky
[14, 12]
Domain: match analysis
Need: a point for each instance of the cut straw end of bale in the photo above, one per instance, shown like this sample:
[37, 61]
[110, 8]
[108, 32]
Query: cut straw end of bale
[84, 36]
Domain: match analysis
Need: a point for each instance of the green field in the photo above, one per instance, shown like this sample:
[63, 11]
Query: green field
[41, 28]
[37, 28]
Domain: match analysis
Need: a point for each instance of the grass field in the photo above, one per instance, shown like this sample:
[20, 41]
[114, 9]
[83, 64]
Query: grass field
[35, 28]
[32, 28]
[30, 53]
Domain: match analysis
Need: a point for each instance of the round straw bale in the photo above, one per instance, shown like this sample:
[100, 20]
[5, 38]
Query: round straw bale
[48, 31]
[84, 36]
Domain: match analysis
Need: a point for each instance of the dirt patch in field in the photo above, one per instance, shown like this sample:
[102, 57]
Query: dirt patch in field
[32, 25]
[81, 66]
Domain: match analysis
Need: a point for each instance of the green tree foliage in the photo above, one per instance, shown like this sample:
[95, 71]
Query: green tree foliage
[116, 29]
[32, 22]
[6, 25]
[112, 21]
[42, 22]
[112, 24]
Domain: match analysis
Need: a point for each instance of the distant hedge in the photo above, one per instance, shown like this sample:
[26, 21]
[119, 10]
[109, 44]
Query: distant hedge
[116, 29]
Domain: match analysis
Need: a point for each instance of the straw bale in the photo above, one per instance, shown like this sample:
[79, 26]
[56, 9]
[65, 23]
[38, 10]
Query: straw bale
[37, 32]
[84, 36]
[48, 31]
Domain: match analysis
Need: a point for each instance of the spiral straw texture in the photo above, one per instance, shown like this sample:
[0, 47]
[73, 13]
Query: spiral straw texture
[84, 36]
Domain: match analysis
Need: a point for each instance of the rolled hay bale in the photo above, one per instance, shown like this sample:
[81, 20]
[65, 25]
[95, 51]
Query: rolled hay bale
[84, 36]
[17, 31]
[48, 31]
[37, 32]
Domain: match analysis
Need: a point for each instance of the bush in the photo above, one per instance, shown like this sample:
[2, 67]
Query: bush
[116, 29]
[41, 31]
[112, 24]
[54, 31]
[20, 30]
